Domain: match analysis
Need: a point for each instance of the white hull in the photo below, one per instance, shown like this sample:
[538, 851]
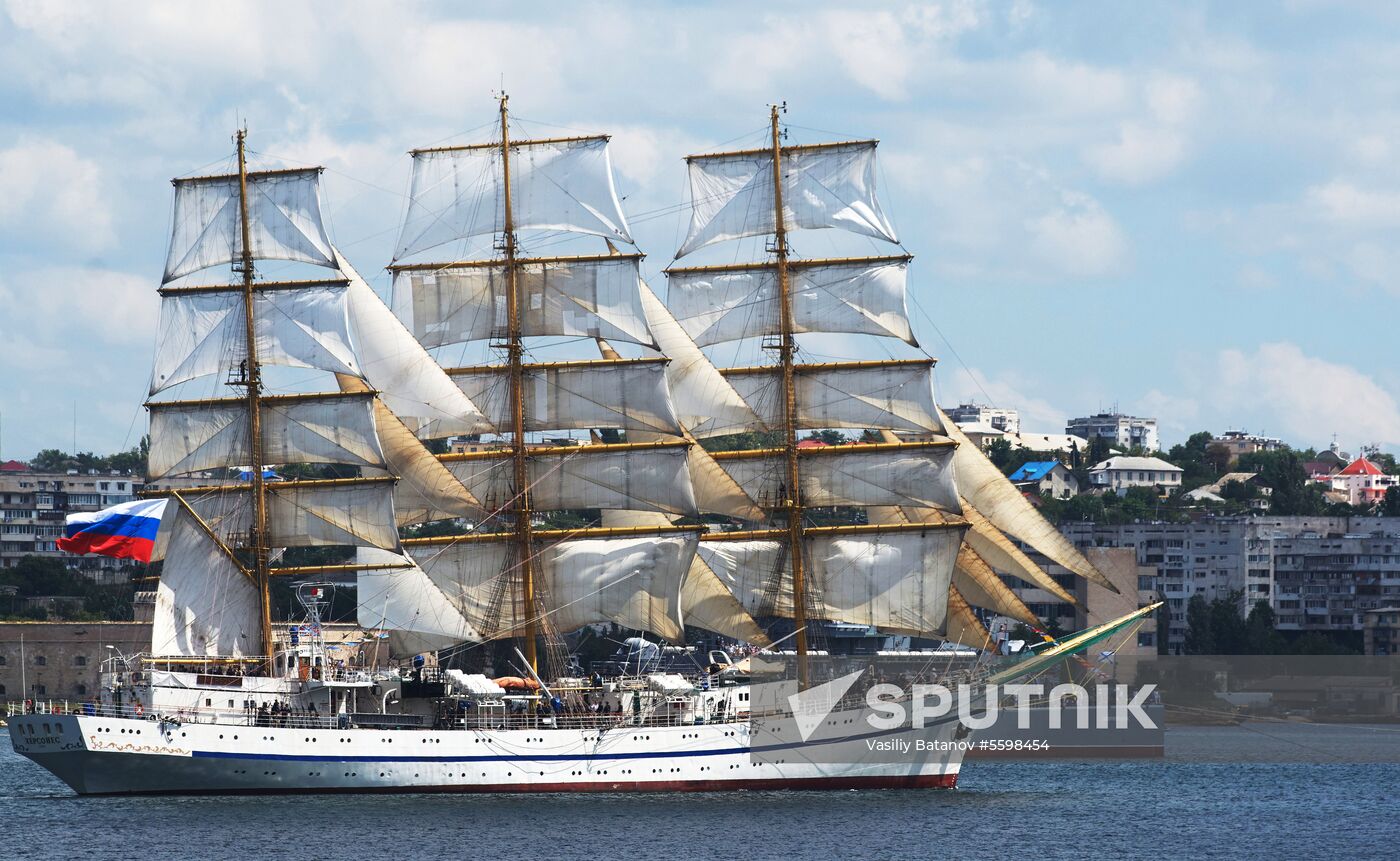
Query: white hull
[100, 755]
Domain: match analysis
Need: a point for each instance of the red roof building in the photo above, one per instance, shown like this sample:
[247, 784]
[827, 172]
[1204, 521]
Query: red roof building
[1364, 483]
[14, 466]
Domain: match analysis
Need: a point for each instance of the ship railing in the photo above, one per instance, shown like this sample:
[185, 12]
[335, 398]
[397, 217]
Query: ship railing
[486, 719]
[18, 708]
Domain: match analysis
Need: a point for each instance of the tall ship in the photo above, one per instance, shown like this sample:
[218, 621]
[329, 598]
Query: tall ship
[608, 471]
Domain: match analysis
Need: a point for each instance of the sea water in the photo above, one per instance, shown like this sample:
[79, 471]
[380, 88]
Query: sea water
[1257, 791]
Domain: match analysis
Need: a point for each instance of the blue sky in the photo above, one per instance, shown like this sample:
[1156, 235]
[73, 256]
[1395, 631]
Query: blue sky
[1186, 209]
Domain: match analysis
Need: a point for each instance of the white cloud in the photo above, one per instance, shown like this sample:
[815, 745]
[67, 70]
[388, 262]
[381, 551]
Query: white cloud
[1255, 278]
[1008, 390]
[1079, 237]
[1343, 202]
[1306, 397]
[1141, 154]
[1153, 140]
[47, 187]
[83, 306]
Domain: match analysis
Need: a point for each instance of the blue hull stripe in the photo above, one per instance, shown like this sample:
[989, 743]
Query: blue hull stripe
[645, 754]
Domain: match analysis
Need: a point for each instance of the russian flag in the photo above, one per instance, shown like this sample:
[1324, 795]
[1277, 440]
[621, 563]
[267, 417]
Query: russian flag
[126, 531]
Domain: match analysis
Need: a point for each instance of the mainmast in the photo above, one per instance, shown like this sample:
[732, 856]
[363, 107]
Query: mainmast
[516, 356]
[787, 348]
[252, 379]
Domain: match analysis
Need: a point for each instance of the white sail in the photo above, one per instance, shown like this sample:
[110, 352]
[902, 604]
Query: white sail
[192, 437]
[650, 479]
[458, 193]
[896, 581]
[972, 576]
[587, 297]
[205, 333]
[756, 573]
[1002, 503]
[705, 601]
[408, 380]
[360, 514]
[635, 582]
[1002, 553]
[702, 396]
[980, 586]
[863, 297]
[425, 490]
[715, 490]
[829, 186]
[406, 603]
[917, 476]
[894, 396]
[631, 395]
[284, 221]
[205, 605]
[963, 626]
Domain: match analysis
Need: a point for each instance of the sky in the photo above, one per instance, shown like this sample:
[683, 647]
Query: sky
[1183, 210]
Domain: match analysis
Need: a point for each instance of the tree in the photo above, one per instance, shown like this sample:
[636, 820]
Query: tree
[51, 460]
[1219, 457]
[1239, 491]
[1390, 506]
[1200, 634]
[829, 437]
[1261, 636]
[1386, 462]
[1283, 472]
[999, 452]
[743, 441]
[1098, 450]
[1193, 456]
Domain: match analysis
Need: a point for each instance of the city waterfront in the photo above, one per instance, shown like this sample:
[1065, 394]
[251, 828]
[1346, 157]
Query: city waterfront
[1256, 791]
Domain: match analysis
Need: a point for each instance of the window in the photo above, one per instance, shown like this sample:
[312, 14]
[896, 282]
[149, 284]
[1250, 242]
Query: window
[40, 690]
[80, 690]
[41, 661]
[2, 690]
[80, 660]
[2, 660]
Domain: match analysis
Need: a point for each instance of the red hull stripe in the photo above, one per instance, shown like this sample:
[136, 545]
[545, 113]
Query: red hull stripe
[908, 781]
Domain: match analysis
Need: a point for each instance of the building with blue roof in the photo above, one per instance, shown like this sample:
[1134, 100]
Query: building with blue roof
[1046, 476]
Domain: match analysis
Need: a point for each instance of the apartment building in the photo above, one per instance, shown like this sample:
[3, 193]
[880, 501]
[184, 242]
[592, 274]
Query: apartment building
[1006, 421]
[34, 505]
[1317, 573]
[1120, 430]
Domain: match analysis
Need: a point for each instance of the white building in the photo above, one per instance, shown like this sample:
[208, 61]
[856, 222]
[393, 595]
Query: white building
[1120, 430]
[1006, 421]
[1120, 473]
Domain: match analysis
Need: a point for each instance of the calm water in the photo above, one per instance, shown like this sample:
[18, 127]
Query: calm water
[1271, 792]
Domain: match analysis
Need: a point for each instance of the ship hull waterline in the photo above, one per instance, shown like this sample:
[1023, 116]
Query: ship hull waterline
[96, 755]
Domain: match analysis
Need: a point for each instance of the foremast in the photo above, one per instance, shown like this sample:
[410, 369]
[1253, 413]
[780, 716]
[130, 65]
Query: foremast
[219, 532]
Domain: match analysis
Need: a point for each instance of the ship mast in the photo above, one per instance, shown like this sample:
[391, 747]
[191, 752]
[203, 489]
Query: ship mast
[515, 351]
[787, 349]
[252, 379]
